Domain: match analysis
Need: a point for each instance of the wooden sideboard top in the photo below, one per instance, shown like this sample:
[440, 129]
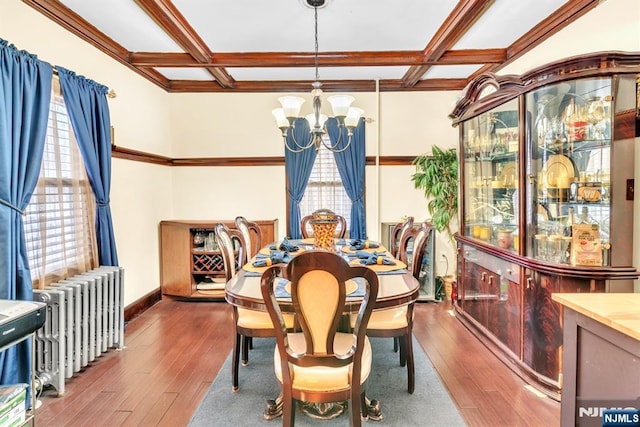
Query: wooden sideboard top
[620, 311]
[212, 223]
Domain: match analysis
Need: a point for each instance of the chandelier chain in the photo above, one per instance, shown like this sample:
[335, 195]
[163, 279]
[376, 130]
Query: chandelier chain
[316, 45]
[347, 117]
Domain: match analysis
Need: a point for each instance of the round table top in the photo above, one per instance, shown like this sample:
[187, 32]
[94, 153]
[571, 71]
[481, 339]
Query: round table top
[396, 287]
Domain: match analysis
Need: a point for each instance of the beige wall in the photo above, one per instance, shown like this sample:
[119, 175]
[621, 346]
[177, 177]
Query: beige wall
[235, 125]
[223, 125]
[613, 25]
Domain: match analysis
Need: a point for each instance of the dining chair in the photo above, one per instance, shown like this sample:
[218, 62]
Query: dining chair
[248, 323]
[252, 235]
[320, 364]
[397, 323]
[307, 229]
[396, 234]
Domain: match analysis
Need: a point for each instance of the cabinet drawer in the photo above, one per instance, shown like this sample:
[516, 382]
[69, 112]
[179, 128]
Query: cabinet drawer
[505, 269]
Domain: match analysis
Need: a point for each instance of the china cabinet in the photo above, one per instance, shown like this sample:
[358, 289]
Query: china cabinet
[546, 202]
[191, 265]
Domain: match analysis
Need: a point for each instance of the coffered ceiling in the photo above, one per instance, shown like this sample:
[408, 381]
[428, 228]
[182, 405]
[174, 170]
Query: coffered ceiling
[268, 46]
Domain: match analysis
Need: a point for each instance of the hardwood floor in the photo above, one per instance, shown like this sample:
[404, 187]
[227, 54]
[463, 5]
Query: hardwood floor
[175, 349]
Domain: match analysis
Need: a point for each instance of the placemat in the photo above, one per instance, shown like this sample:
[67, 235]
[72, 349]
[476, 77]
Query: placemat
[399, 265]
[355, 288]
[347, 249]
[266, 250]
[250, 268]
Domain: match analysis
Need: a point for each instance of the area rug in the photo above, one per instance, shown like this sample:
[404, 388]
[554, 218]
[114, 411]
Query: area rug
[429, 405]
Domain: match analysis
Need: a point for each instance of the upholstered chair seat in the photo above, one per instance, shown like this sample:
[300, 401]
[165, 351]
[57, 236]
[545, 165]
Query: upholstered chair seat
[315, 378]
[391, 318]
[253, 319]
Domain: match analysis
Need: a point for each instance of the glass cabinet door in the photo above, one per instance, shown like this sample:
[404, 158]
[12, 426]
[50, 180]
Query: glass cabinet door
[490, 150]
[568, 207]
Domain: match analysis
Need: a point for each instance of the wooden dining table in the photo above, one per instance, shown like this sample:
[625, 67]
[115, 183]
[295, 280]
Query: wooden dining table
[397, 287]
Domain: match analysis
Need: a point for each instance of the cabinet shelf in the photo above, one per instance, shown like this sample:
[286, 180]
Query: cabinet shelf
[569, 202]
[476, 156]
[575, 146]
[198, 251]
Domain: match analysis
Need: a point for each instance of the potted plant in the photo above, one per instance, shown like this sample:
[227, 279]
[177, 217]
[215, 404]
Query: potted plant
[437, 175]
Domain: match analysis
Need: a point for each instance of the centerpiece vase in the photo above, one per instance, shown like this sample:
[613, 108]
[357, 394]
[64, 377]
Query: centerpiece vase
[324, 225]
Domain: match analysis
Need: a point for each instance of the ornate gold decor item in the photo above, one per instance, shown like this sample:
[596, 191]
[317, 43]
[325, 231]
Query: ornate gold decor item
[324, 225]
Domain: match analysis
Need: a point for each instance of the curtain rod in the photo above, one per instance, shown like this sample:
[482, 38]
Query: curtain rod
[110, 93]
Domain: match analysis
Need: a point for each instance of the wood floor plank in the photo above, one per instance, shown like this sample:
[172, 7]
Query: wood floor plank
[174, 351]
[97, 410]
[185, 405]
[458, 354]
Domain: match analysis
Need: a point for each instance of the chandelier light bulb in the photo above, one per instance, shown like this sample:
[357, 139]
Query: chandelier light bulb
[291, 105]
[340, 104]
[353, 116]
[316, 125]
[281, 118]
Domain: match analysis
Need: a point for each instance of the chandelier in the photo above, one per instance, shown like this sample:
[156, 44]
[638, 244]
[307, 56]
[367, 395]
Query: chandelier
[346, 115]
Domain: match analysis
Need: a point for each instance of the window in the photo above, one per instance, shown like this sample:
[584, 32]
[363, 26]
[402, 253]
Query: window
[325, 189]
[59, 220]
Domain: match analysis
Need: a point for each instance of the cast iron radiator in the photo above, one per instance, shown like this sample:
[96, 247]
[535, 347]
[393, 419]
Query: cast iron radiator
[84, 318]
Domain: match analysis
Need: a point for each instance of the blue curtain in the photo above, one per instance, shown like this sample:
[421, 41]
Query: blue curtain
[86, 102]
[298, 168]
[25, 93]
[351, 165]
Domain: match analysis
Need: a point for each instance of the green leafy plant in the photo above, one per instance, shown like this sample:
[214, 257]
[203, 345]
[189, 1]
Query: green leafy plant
[437, 175]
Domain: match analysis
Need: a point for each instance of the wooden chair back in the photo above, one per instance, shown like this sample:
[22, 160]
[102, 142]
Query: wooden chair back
[396, 234]
[230, 242]
[307, 229]
[252, 235]
[412, 246]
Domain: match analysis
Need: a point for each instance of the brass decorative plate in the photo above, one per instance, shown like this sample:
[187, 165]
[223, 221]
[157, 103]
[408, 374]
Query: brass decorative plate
[509, 175]
[559, 171]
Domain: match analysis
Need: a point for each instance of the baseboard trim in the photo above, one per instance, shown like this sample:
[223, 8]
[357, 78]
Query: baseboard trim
[136, 308]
